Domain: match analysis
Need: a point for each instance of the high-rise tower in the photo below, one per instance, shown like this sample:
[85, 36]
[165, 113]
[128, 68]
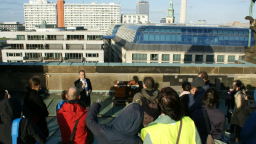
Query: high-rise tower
[183, 11]
[170, 17]
[142, 7]
[60, 13]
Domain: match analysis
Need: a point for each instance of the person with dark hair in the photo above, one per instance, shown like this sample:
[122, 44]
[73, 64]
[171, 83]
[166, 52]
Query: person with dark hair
[238, 116]
[230, 103]
[148, 99]
[67, 116]
[123, 130]
[196, 103]
[63, 97]
[184, 96]
[29, 133]
[204, 76]
[209, 113]
[85, 88]
[171, 126]
[248, 133]
[34, 106]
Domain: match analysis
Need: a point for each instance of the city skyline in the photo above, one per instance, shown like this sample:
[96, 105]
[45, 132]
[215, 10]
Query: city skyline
[213, 11]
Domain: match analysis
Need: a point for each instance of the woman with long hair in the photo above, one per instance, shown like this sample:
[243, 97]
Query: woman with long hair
[171, 126]
[34, 106]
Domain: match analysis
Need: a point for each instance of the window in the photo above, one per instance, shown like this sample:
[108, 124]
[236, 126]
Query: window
[210, 58]
[231, 58]
[154, 57]
[240, 57]
[165, 57]
[14, 54]
[220, 58]
[92, 55]
[94, 37]
[188, 58]
[73, 55]
[199, 58]
[139, 57]
[176, 57]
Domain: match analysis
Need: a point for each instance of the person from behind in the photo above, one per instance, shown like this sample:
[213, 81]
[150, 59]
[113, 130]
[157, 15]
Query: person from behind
[63, 96]
[34, 106]
[171, 126]
[123, 130]
[85, 88]
[248, 133]
[238, 116]
[196, 103]
[185, 96]
[71, 112]
[204, 76]
[210, 113]
[29, 133]
[148, 99]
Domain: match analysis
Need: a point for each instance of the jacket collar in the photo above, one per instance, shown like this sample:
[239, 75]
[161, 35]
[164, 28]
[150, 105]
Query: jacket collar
[163, 120]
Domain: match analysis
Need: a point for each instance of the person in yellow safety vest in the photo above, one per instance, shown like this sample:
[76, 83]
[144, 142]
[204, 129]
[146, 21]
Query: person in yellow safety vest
[171, 127]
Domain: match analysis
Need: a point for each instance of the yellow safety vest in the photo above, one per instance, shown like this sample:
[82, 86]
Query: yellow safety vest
[167, 133]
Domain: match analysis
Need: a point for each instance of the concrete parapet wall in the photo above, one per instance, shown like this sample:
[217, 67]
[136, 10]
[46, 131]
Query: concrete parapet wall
[15, 77]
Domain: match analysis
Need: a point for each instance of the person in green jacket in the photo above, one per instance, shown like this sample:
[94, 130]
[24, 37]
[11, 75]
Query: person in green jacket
[171, 126]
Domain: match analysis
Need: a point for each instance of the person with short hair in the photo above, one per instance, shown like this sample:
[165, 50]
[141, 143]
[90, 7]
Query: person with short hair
[67, 116]
[204, 76]
[171, 126]
[85, 88]
[34, 106]
[123, 129]
[148, 95]
[196, 103]
[63, 97]
[185, 96]
[210, 99]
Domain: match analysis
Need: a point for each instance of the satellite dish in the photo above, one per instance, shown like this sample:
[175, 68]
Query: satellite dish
[255, 95]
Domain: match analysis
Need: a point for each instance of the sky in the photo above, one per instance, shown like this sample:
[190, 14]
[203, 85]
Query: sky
[213, 11]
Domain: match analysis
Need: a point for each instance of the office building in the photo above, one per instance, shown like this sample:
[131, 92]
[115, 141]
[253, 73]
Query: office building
[55, 45]
[177, 43]
[142, 7]
[12, 26]
[163, 20]
[92, 16]
[170, 17]
[134, 18]
[201, 22]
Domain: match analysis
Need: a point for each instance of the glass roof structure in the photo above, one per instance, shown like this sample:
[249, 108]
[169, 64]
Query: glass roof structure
[183, 35]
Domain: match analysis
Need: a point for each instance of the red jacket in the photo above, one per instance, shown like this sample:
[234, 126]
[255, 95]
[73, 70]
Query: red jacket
[67, 117]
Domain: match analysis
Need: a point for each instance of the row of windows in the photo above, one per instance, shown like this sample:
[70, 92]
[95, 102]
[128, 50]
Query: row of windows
[53, 37]
[14, 54]
[53, 55]
[187, 58]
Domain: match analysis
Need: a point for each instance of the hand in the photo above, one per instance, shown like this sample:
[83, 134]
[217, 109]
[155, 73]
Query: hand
[83, 85]
[89, 91]
[98, 101]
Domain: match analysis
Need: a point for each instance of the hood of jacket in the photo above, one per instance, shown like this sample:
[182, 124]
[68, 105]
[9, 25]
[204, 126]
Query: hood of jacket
[129, 121]
[10, 110]
[150, 94]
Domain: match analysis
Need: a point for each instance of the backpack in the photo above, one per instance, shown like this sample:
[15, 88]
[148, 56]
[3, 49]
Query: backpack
[249, 105]
[15, 130]
[151, 110]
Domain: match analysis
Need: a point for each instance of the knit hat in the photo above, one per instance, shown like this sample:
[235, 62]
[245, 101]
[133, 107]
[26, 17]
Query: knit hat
[198, 82]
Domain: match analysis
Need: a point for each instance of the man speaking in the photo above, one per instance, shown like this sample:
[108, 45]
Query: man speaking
[85, 88]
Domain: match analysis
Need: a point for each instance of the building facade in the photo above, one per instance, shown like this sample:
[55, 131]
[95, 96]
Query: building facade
[92, 16]
[177, 44]
[12, 26]
[55, 45]
[142, 7]
[134, 18]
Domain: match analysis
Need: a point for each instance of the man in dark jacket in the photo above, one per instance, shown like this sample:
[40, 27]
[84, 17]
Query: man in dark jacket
[197, 84]
[29, 133]
[85, 88]
[204, 76]
[123, 130]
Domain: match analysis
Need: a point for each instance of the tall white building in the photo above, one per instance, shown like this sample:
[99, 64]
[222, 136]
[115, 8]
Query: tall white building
[142, 7]
[183, 11]
[38, 10]
[91, 16]
[134, 18]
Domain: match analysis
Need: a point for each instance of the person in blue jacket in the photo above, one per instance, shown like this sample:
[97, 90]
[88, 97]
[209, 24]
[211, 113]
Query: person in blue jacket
[248, 133]
[63, 97]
